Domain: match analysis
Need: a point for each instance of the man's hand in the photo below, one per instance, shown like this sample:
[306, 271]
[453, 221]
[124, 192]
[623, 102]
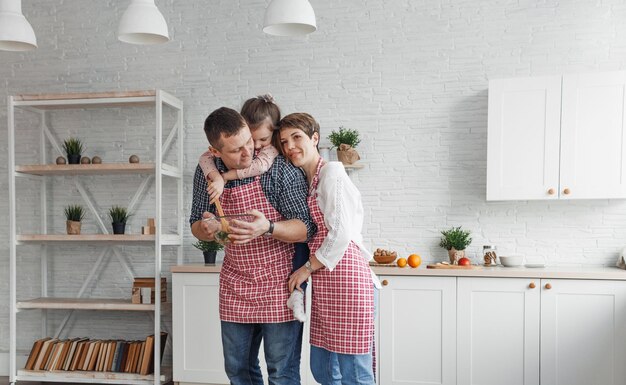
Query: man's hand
[243, 232]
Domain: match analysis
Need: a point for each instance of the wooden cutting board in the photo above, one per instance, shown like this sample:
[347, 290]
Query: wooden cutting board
[447, 266]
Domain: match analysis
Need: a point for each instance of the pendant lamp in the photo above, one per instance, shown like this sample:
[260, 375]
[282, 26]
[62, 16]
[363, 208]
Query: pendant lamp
[289, 18]
[16, 33]
[143, 23]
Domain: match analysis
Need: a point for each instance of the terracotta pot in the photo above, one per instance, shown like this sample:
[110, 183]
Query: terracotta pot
[455, 255]
[72, 227]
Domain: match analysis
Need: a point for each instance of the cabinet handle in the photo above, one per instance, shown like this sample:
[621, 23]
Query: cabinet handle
[548, 286]
[385, 282]
[532, 285]
[566, 191]
[551, 191]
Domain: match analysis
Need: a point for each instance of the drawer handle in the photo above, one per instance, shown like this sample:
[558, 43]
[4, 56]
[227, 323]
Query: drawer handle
[567, 191]
[532, 285]
[548, 286]
[551, 191]
[385, 282]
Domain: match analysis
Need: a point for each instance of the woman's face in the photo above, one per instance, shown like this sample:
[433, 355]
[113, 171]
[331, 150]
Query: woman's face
[298, 147]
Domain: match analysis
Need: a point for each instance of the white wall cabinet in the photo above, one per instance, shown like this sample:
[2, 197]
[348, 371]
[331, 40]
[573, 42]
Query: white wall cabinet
[417, 331]
[549, 332]
[557, 137]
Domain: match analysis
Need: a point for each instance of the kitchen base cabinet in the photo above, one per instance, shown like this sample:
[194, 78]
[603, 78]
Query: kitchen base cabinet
[583, 332]
[498, 331]
[550, 332]
[417, 330]
[197, 354]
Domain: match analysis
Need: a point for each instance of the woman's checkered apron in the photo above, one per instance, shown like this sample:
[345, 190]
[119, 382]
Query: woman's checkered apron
[342, 307]
[253, 279]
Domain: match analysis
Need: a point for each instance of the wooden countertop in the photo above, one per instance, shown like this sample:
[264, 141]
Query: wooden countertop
[557, 272]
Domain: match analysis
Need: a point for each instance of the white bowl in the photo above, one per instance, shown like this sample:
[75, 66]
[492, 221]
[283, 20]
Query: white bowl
[512, 260]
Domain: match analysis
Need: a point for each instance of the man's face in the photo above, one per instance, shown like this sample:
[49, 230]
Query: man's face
[237, 150]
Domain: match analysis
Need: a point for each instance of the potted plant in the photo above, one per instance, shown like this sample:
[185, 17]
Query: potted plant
[345, 140]
[73, 148]
[73, 215]
[209, 249]
[455, 241]
[119, 216]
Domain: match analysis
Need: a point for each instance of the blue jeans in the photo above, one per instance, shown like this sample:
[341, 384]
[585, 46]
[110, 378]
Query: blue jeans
[282, 343]
[330, 368]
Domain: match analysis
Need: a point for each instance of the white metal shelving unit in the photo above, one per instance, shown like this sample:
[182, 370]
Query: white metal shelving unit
[39, 104]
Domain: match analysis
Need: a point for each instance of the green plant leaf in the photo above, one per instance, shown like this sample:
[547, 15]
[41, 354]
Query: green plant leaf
[344, 136]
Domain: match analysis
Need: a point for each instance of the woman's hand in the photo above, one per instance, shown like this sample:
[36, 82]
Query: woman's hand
[243, 232]
[297, 278]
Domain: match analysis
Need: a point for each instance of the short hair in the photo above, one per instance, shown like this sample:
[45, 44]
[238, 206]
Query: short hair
[225, 121]
[300, 120]
[256, 110]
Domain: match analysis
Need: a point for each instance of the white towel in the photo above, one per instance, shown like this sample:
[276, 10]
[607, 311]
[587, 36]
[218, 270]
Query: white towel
[621, 261]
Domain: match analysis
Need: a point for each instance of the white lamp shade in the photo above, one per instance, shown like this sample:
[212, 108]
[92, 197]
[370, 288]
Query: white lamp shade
[143, 23]
[16, 33]
[289, 18]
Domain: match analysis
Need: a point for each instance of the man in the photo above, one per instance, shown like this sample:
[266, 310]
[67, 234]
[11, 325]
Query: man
[257, 264]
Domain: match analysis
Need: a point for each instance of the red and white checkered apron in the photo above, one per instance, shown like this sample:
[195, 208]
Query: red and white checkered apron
[342, 307]
[253, 279]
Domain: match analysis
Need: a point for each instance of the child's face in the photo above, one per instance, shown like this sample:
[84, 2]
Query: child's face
[262, 135]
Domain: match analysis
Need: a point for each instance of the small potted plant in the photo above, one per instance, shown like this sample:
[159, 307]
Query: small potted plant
[455, 241]
[209, 249]
[345, 140]
[119, 216]
[73, 148]
[73, 215]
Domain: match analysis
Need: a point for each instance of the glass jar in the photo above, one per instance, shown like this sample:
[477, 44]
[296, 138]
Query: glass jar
[490, 257]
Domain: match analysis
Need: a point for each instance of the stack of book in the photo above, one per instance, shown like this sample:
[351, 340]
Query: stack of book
[144, 292]
[52, 354]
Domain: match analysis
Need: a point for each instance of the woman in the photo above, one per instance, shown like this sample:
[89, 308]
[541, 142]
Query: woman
[342, 309]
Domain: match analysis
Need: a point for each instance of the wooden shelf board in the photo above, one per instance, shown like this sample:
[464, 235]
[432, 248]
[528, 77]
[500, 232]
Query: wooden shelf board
[92, 377]
[85, 238]
[86, 95]
[86, 169]
[353, 166]
[86, 304]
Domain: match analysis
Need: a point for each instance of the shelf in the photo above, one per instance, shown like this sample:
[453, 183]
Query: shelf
[166, 239]
[84, 100]
[86, 169]
[353, 166]
[91, 377]
[85, 304]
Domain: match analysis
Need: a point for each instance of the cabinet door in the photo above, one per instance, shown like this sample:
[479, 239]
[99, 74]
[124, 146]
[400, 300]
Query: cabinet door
[498, 331]
[417, 330]
[523, 138]
[593, 144]
[197, 354]
[583, 332]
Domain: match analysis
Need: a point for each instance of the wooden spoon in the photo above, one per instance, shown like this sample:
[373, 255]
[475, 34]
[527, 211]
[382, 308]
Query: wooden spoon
[220, 212]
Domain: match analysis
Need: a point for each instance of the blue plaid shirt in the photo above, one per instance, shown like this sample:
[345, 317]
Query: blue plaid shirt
[284, 186]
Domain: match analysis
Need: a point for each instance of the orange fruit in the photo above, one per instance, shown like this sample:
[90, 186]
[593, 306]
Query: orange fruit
[401, 262]
[414, 260]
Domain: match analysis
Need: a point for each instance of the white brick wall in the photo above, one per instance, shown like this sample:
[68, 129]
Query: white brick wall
[410, 76]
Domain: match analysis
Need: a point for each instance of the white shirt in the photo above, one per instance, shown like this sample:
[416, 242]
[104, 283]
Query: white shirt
[340, 202]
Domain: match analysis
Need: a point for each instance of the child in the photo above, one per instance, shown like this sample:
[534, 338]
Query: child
[262, 115]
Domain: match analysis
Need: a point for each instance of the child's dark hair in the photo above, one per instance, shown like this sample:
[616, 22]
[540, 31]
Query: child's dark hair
[225, 121]
[256, 110]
